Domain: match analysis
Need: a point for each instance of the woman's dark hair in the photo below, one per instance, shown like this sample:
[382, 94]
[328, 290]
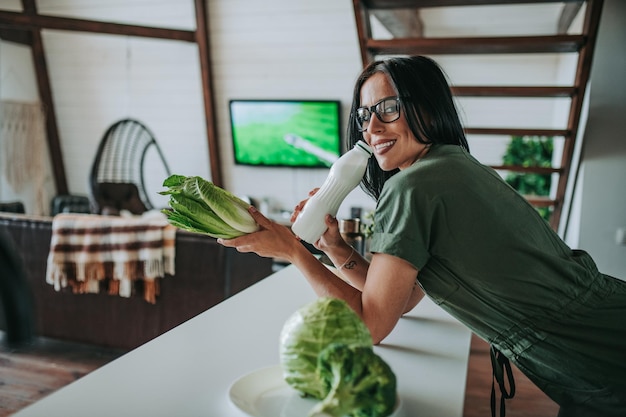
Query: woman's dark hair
[427, 104]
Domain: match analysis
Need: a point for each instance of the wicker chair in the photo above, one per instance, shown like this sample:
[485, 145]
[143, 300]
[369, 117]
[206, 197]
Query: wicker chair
[117, 174]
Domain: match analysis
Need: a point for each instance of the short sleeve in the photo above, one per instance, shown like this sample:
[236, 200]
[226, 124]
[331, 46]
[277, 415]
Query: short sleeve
[402, 222]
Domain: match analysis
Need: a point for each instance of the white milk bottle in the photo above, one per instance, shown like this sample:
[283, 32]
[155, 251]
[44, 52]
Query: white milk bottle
[345, 174]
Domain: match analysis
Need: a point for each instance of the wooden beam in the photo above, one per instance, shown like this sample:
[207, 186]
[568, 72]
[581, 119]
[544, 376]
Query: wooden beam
[363, 30]
[539, 201]
[52, 131]
[45, 94]
[490, 45]
[14, 20]
[528, 170]
[513, 91]
[202, 39]
[516, 131]
[583, 71]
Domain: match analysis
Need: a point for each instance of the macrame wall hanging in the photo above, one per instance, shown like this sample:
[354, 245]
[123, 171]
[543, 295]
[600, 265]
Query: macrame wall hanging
[22, 148]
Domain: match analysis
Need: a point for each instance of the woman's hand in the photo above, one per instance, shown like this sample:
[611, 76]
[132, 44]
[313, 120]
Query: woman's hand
[331, 238]
[301, 204]
[272, 240]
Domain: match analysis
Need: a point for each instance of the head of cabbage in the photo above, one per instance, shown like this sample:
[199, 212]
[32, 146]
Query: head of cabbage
[311, 329]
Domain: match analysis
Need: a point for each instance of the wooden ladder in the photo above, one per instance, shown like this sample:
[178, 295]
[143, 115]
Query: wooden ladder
[402, 19]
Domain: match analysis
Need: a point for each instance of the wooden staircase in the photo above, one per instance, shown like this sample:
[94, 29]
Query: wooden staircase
[403, 20]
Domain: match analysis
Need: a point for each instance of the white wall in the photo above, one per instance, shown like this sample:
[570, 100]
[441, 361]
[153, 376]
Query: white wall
[603, 206]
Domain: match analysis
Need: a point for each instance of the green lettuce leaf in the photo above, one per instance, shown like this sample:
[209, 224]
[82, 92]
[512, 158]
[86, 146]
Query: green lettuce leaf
[200, 206]
[309, 331]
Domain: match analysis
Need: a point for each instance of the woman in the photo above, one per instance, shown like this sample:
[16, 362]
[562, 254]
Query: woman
[471, 242]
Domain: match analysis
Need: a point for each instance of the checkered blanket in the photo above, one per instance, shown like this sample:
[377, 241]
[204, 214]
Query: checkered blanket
[122, 255]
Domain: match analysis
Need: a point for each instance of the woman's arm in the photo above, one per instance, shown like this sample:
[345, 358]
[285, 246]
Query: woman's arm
[352, 266]
[277, 241]
[388, 289]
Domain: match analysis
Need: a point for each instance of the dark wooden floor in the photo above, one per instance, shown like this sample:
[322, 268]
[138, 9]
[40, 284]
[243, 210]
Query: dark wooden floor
[28, 375]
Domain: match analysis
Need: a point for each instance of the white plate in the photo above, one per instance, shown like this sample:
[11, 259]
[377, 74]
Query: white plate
[264, 393]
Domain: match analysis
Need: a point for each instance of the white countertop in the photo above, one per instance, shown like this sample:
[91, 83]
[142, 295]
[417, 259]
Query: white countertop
[188, 370]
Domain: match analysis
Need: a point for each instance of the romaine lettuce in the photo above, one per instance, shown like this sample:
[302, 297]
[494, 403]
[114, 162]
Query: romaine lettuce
[199, 206]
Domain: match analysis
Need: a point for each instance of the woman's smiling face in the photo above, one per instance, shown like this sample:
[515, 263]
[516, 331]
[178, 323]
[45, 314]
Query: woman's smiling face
[394, 144]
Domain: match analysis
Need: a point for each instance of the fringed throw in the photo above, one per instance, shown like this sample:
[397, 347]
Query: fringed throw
[120, 255]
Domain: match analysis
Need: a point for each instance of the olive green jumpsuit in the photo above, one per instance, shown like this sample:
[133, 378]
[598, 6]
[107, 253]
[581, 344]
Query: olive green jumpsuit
[486, 256]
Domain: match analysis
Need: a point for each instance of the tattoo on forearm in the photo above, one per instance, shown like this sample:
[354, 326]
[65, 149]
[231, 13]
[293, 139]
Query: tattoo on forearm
[350, 265]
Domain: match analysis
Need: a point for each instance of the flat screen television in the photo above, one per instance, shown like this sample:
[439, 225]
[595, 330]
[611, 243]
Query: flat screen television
[286, 133]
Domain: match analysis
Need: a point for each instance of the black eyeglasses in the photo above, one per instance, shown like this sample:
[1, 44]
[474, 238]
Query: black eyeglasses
[387, 110]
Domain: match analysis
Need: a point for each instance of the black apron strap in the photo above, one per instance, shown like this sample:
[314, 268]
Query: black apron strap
[500, 365]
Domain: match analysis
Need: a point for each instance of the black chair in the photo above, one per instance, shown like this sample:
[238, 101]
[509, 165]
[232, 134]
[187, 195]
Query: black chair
[117, 174]
[15, 296]
[13, 207]
[66, 203]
